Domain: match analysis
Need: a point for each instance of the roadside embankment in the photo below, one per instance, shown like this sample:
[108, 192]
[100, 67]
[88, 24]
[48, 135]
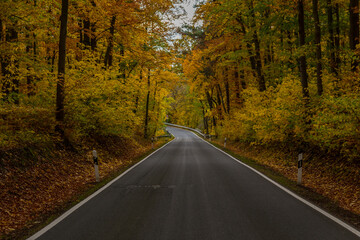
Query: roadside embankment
[37, 184]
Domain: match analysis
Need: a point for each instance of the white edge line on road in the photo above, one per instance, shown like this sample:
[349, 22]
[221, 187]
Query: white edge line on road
[338, 221]
[74, 208]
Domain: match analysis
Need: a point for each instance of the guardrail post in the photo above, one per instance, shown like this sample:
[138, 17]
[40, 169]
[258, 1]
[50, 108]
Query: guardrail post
[192, 129]
[96, 166]
[300, 162]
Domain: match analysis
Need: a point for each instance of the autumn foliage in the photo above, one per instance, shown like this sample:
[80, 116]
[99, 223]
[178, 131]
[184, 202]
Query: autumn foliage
[277, 78]
[246, 83]
[271, 74]
[116, 54]
[111, 82]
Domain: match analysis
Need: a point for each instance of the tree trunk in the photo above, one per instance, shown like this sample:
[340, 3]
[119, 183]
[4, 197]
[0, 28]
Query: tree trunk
[53, 61]
[93, 39]
[331, 43]
[81, 31]
[220, 99]
[211, 106]
[1, 31]
[206, 127]
[87, 39]
[122, 64]
[337, 37]
[318, 48]
[10, 86]
[256, 42]
[157, 118]
[147, 108]
[227, 92]
[60, 91]
[269, 56]
[302, 59]
[137, 97]
[29, 77]
[108, 54]
[155, 91]
[237, 83]
[248, 45]
[354, 29]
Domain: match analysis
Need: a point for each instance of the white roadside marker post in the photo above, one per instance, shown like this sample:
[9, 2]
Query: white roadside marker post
[300, 162]
[152, 143]
[225, 142]
[96, 165]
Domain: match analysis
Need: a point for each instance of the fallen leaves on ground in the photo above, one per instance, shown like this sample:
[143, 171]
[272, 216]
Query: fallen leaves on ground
[341, 184]
[29, 193]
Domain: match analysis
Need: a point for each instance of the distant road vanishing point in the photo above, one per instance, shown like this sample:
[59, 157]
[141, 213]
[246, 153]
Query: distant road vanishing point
[189, 190]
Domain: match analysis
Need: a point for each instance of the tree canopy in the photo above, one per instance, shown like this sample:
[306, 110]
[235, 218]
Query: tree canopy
[274, 72]
[260, 72]
[108, 74]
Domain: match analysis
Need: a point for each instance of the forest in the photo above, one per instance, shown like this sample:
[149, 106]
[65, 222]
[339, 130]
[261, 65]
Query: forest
[274, 72]
[96, 68]
[268, 74]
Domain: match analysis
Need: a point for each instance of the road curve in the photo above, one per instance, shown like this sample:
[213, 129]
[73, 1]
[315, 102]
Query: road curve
[190, 190]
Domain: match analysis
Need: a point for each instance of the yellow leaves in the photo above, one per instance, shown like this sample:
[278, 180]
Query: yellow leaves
[268, 116]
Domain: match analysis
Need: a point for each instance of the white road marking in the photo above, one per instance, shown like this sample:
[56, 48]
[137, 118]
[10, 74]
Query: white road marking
[71, 210]
[338, 221]
[67, 213]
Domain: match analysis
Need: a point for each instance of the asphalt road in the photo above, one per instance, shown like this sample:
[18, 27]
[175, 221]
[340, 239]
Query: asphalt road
[190, 190]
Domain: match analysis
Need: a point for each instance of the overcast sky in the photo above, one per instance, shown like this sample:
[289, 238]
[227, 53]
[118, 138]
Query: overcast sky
[190, 10]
